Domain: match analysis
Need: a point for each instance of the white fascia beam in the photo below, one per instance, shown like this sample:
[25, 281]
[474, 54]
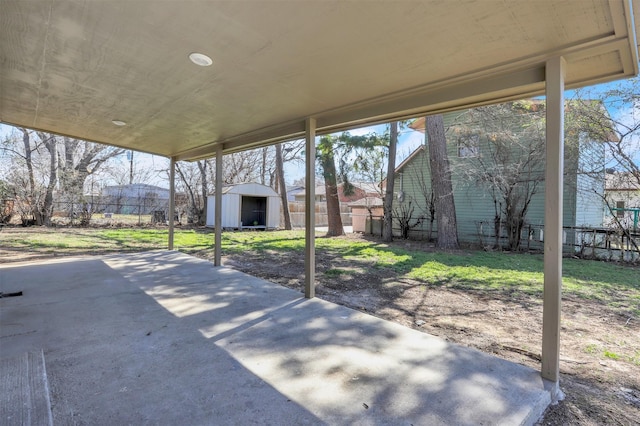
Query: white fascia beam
[625, 27]
[467, 92]
[267, 136]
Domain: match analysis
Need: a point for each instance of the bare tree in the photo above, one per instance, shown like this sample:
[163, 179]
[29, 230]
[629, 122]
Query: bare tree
[191, 182]
[34, 189]
[133, 171]
[79, 159]
[428, 204]
[43, 216]
[257, 165]
[49, 169]
[620, 133]
[407, 218]
[503, 151]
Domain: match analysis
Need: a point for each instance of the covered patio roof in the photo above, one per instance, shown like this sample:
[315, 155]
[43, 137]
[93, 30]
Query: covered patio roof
[72, 67]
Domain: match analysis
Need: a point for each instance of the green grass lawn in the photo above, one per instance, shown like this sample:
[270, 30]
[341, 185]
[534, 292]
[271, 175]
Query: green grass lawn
[474, 270]
[477, 270]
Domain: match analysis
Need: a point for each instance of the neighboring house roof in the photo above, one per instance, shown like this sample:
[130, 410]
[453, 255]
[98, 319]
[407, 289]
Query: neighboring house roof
[361, 189]
[294, 191]
[622, 181]
[367, 202]
[403, 164]
[137, 186]
[409, 159]
[136, 190]
[368, 187]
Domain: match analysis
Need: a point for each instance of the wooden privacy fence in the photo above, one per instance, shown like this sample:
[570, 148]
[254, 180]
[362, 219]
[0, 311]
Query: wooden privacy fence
[297, 211]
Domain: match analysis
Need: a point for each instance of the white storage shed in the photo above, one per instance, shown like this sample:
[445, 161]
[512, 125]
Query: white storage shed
[246, 205]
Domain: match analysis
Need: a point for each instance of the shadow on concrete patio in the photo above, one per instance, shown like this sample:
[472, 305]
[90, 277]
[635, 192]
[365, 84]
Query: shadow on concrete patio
[165, 338]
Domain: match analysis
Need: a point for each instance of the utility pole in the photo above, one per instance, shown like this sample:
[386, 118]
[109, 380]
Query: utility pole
[130, 155]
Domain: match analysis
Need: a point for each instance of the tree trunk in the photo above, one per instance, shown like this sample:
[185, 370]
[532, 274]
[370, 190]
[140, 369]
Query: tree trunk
[204, 188]
[387, 227]
[190, 193]
[44, 217]
[263, 170]
[441, 184]
[282, 186]
[329, 173]
[27, 156]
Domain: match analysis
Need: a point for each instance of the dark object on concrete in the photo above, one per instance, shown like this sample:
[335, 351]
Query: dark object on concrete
[14, 294]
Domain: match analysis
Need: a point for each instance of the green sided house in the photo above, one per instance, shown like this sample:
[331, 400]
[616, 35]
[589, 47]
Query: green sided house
[496, 154]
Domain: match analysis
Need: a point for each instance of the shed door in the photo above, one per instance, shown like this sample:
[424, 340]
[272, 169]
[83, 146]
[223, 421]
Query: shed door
[254, 211]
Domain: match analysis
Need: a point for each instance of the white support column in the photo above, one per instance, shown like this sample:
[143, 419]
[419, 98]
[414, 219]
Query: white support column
[217, 250]
[555, 72]
[310, 211]
[172, 200]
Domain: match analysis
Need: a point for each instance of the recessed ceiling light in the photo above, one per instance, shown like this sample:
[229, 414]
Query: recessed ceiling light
[119, 123]
[200, 59]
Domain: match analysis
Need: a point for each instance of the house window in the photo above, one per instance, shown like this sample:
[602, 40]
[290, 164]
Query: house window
[620, 209]
[468, 146]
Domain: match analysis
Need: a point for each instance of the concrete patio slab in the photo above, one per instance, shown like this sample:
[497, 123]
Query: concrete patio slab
[165, 338]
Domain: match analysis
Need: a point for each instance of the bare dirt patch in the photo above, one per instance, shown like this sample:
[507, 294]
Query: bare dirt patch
[600, 354]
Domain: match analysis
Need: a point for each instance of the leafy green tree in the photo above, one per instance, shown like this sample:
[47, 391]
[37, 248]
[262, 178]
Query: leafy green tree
[350, 152]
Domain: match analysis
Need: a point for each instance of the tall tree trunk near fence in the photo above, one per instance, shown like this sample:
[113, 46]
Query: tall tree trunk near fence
[204, 192]
[329, 172]
[441, 184]
[387, 229]
[282, 186]
[44, 216]
[27, 156]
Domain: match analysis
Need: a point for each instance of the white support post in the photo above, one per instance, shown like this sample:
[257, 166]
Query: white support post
[217, 250]
[555, 72]
[310, 210]
[172, 200]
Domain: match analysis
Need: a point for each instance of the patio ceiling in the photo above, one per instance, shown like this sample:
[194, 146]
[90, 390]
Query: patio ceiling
[71, 67]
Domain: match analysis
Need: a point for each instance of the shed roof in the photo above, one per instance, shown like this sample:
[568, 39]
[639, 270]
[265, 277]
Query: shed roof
[72, 67]
[249, 188]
